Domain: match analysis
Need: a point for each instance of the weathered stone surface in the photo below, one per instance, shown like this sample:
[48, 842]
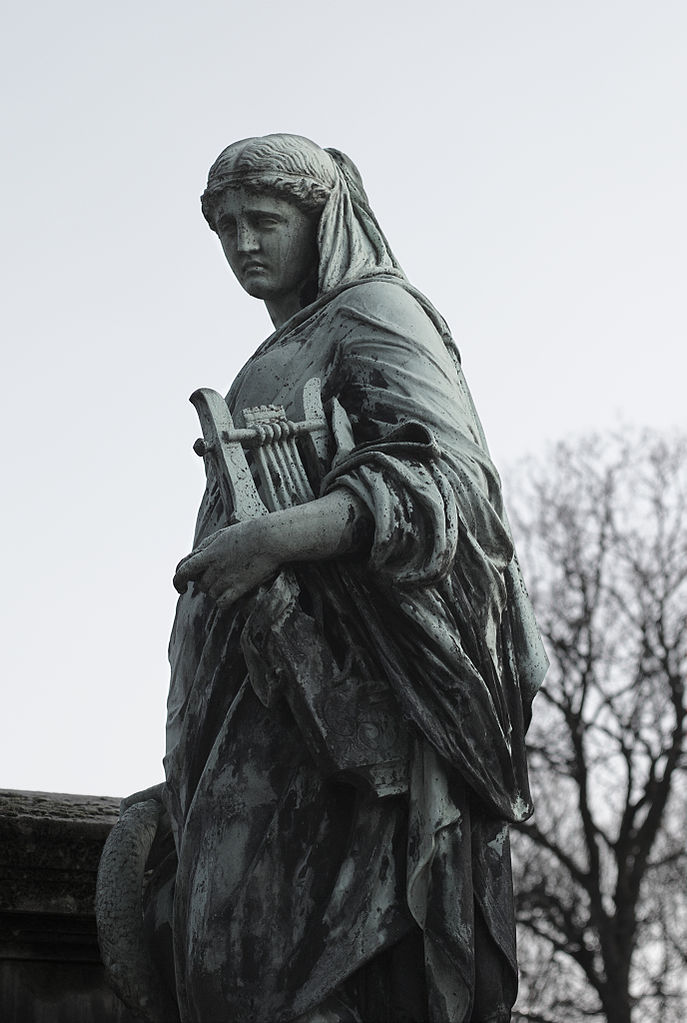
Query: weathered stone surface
[354, 654]
[50, 845]
[50, 969]
[124, 943]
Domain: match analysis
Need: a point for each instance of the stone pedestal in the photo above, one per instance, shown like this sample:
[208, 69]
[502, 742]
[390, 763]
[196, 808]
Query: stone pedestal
[50, 968]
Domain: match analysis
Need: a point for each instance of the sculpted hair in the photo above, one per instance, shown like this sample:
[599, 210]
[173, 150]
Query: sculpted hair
[289, 167]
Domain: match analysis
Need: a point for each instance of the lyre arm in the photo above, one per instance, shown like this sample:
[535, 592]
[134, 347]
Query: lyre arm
[225, 455]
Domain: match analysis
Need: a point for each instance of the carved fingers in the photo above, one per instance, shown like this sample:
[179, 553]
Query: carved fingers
[228, 564]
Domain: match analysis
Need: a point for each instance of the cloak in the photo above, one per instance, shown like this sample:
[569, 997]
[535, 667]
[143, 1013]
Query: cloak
[293, 877]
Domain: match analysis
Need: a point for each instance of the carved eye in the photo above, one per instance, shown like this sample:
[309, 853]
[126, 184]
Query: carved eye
[226, 225]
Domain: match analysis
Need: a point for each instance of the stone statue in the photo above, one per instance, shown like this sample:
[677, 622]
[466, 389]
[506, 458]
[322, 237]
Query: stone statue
[353, 657]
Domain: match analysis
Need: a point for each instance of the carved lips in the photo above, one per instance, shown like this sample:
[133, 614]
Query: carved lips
[252, 267]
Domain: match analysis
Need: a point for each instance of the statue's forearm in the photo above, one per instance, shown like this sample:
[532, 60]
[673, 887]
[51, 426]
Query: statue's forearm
[236, 559]
[330, 526]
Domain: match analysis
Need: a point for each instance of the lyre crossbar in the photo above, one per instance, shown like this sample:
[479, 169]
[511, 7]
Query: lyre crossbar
[272, 440]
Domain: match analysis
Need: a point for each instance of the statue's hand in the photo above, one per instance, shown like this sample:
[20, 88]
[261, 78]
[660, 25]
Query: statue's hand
[229, 563]
[237, 559]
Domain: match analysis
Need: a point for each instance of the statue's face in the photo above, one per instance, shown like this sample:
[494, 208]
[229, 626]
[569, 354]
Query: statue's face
[270, 244]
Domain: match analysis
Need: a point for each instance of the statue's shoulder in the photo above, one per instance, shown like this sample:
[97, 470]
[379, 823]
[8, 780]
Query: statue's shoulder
[381, 298]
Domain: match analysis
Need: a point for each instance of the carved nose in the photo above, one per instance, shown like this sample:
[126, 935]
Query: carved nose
[246, 240]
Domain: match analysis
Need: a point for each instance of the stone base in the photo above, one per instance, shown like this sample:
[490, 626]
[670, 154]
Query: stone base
[50, 968]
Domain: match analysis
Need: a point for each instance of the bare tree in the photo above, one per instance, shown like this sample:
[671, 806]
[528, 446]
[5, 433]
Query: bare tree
[600, 871]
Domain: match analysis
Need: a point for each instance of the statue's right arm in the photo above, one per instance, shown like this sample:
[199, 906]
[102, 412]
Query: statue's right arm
[237, 559]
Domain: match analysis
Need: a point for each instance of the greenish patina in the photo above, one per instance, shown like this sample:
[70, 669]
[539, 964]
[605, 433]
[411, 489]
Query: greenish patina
[352, 672]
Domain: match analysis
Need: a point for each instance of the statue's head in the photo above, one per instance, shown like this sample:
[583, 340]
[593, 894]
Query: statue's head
[323, 184]
[288, 167]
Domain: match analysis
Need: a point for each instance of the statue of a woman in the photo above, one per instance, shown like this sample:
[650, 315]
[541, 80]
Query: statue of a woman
[302, 893]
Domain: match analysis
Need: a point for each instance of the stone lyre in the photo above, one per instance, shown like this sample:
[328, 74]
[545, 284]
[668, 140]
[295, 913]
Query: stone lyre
[271, 437]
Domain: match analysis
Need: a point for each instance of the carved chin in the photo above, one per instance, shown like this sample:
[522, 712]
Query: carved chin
[255, 287]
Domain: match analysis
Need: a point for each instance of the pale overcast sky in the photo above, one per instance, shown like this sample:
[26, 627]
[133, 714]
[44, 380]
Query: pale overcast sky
[527, 161]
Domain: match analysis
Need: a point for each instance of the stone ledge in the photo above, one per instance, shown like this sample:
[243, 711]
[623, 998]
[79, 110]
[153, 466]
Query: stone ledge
[49, 937]
[50, 846]
[50, 968]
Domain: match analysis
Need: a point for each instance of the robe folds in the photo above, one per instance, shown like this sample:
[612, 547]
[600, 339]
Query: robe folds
[291, 877]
